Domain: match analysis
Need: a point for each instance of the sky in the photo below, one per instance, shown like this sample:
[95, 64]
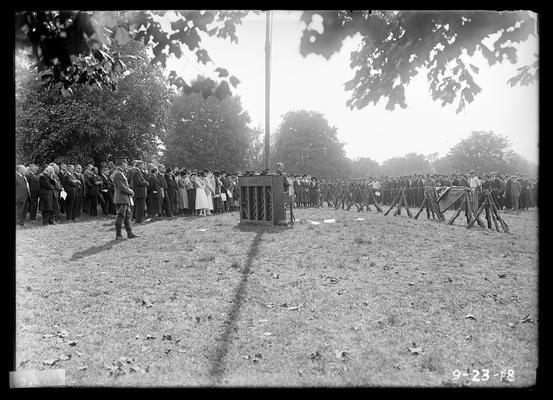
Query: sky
[314, 83]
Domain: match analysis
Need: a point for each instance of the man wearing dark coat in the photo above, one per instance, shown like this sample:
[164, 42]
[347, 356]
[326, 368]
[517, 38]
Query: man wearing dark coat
[94, 192]
[122, 199]
[164, 196]
[46, 195]
[172, 190]
[153, 193]
[22, 194]
[139, 185]
[71, 184]
[34, 188]
[79, 200]
[107, 191]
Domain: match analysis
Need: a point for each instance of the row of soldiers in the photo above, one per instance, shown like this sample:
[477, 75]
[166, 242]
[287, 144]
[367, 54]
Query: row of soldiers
[512, 192]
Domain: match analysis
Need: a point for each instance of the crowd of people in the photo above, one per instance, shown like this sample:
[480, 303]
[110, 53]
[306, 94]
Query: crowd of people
[67, 193]
[510, 191]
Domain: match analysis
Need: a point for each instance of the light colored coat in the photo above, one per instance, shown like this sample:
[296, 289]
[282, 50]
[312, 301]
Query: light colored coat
[122, 191]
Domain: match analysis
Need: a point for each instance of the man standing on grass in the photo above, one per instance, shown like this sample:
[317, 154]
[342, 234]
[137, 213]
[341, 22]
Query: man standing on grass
[139, 185]
[22, 194]
[122, 199]
[34, 187]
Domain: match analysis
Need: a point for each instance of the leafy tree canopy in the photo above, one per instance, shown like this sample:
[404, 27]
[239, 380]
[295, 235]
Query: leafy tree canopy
[411, 163]
[92, 123]
[396, 46]
[209, 133]
[484, 152]
[84, 47]
[364, 167]
[307, 144]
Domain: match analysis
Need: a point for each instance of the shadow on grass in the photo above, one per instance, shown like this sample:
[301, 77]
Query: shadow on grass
[94, 250]
[218, 364]
[261, 228]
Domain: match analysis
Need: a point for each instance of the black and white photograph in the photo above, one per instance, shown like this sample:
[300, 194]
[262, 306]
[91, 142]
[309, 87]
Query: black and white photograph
[276, 198]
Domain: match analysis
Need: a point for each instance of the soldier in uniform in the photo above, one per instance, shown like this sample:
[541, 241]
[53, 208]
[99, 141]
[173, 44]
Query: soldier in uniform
[123, 199]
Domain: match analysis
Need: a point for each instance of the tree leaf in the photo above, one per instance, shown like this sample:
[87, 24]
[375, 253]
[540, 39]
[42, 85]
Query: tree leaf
[234, 81]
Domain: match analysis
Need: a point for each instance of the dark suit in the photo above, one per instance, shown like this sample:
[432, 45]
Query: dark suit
[71, 184]
[34, 188]
[139, 185]
[107, 193]
[94, 193]
[22, 194]
[79, 200]
[153, 196]
[46, 195]
[165, 203]
[172, 191]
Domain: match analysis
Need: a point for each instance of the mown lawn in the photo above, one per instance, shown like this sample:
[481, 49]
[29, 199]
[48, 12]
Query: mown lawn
[386, 301]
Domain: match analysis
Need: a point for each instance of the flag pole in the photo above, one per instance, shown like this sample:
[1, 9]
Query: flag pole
[267, 86]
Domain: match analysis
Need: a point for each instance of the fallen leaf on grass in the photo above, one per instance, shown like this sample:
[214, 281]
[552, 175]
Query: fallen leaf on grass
[316, 355]
[415, 350]
[411, 283]
[64, 357]
[468, 337]
[276, 276]
[73, 343]
[269, 305]
[470, 316]
[527, 318]
[62, 334]
[267, 334]
[28, 288]
[82, 367]
[47, 336]
[144, 349]
[502, 275]
[167, 337]
[340, 354]
[149, 336]
[341, 292]
[167, 351]
[50, 362]
[136, 369]
[79, 353]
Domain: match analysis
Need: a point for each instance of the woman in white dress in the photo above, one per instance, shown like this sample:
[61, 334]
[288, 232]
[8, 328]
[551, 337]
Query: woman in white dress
[201, 198]
[183, 195]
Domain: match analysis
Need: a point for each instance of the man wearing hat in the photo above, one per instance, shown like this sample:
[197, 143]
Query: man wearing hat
[122, 199]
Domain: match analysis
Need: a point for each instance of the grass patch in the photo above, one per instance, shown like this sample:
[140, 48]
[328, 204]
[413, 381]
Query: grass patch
[307, 306]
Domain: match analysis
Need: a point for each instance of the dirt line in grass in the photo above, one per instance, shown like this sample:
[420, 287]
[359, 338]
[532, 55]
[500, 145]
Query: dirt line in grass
[223, 342]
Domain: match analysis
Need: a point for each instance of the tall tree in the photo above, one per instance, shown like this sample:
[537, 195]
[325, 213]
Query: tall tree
[364, 167]
[208, 133]
[307, 144]
[93, 123]
[408, 164]
[482, 152]
[397, 45]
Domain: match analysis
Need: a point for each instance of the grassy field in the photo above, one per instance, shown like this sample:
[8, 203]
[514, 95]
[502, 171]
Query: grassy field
[387, 301]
